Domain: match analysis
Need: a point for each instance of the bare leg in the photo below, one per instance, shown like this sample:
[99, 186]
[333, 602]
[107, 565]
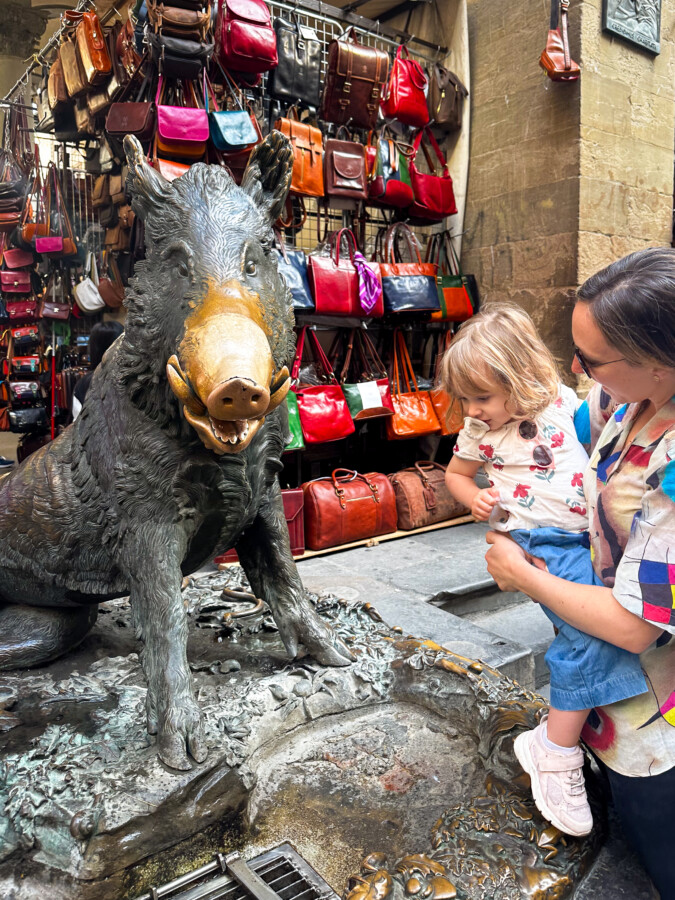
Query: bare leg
[33, 635]
[564, 726]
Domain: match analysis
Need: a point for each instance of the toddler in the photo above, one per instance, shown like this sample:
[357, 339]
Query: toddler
[519, 428]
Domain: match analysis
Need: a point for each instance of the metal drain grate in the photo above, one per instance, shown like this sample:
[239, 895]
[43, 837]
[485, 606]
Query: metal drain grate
[279, 874]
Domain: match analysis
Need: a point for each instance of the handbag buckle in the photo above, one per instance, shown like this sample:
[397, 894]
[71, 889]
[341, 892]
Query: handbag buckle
[375, 491]
[340, 494]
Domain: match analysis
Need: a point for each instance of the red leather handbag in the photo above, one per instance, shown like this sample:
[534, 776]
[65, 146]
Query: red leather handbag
[23, 311]
[336, 284]
[404, 98]
[324, 414]
[15, 282]
[293, 500]
[348, 507]
[245, 39]
[434, 196]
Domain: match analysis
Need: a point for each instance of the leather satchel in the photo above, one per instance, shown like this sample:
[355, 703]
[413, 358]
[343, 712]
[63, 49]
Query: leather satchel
[414, 413]
[57, 93]
[22, 311]
[245, 39]
[555, 59]
[135, 116]
[73, 75]
[446, 100]
[296, 79]
[348, 507]
[344, 172]
[434, 195]
[231, 130]
[422, 497]
[16, 282]
[93, 50]
[28, 418]
[354, 80]
[192, 24]
[182, 130]
[407, 286]
[322, 408]
[404, 96]
[179, 57]
[307, 143]
[370, 395]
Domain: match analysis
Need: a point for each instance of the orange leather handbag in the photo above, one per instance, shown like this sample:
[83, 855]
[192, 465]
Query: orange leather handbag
[307, 144]
[453, 294]
[93, 50]
[555, 59]
[414, 413]
[449, 411]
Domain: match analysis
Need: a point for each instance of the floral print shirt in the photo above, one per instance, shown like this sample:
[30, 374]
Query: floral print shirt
[631, 503]
[536, 464]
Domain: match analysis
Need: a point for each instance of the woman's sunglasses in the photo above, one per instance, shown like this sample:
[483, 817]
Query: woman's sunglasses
[586, 366]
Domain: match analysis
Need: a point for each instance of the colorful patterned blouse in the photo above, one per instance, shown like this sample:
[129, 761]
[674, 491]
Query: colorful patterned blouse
[631, 505]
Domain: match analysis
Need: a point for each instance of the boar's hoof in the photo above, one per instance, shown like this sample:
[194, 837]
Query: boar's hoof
[307, 628]
[180, 732]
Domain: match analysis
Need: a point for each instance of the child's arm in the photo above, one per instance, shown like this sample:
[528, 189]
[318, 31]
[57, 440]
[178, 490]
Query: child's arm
[459, 479]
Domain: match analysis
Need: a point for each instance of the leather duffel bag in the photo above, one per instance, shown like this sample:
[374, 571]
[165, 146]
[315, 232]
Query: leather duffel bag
[348, 506]
[422, 497]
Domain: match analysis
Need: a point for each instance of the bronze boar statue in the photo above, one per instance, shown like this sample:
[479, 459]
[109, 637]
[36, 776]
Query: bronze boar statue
[176, 453]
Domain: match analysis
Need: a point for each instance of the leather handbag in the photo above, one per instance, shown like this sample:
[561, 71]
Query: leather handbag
[449, 411]
[15, 258]
[295, 439]
[245, 39]
[87, 294]
[57, 93]
[345, 285]
[175, 21]
[414, 413]
[353, 82]
[404, 96]
[28, 418]
[182, 130]
[167, 168]
[307, 143]
[73, 74]
[292, 265]
[125, 47]
[179, 57]
[135, 117]
[296, 79]
[370, 395]
[433, 192]
[407, 286]
[555, 59]
[56, 244]
[348, 507]
[25, 336]
[294, 504]
[24, 392]
[388, 178]
[445, 99]
[344, 172]
[22, 311]
[456, 304]
[110, 285]
[15, 282]
[231, 129]
[322, 408]
[93, 50]
[422, 498]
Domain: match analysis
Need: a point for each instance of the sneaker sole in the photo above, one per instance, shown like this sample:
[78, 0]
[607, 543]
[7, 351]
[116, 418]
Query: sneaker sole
[522, 751]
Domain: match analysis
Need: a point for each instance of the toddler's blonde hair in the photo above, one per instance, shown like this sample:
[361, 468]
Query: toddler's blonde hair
[500, 347]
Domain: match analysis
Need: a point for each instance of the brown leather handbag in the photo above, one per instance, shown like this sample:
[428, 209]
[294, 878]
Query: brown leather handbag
[189, 24]
[307, 144]
[354, 80]
[445, 99]
[346, 507]
[73, 74]
[422, 497]
[57, 93]
[414, 413]
[555, 59]
[345, 172]
[93, 50]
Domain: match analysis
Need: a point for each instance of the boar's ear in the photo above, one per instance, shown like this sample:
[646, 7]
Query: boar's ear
[149, 190]
[267, 178]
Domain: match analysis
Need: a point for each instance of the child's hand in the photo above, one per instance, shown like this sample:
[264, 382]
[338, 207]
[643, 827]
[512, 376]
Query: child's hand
[483, 504]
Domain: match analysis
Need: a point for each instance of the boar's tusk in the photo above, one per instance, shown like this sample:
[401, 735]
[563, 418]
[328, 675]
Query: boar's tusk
[182, 389]
[278, 389]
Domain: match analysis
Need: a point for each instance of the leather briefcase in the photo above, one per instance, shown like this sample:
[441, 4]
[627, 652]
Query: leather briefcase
[297, 76]
[346, 507]
[422, 497]
[354, 82]
[293, 500]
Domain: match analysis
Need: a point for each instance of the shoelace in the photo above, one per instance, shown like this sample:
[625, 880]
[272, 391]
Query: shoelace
[576, 782]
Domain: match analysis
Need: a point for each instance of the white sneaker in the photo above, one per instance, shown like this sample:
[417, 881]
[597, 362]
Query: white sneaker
[557, 782]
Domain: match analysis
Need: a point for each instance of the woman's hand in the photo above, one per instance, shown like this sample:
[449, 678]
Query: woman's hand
[505, 560]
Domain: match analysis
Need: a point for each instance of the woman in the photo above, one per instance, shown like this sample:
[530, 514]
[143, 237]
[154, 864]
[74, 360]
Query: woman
[623, 327]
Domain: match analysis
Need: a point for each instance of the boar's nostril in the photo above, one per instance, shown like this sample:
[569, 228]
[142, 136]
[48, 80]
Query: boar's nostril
[238, 398]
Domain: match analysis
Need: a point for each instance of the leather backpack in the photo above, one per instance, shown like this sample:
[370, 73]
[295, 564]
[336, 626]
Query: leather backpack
[307, 144]
[297, 76]
[245, 39]
[354, 80]
[446, 100]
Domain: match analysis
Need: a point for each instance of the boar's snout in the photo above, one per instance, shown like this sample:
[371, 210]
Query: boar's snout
[238, 398]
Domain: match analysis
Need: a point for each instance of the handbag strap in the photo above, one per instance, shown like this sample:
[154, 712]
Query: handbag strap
[402, 364]
[366, 350]
[351, 242]
[320, 357]
[398, 230]
[564, 5]
[451, 254]
[299, 347]
[229, 83]
[420, 140]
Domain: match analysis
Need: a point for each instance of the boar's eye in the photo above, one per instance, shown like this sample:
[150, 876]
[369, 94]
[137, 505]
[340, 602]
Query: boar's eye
[251, 268]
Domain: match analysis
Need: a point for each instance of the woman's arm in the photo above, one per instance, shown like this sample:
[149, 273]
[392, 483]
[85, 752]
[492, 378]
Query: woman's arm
[589, 608]
[459, 479]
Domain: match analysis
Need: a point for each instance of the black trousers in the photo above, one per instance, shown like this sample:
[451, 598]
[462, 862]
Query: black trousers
[646, 809]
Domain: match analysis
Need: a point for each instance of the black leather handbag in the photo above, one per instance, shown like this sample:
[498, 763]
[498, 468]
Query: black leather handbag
[179, 58]
[297, 76]
[30, 418]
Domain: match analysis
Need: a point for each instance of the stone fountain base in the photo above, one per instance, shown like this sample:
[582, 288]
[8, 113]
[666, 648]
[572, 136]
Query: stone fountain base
[340, 762]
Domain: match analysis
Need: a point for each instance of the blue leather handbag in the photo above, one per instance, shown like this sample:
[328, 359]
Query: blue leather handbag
[293, 266]
[230, 129]
[407, 286]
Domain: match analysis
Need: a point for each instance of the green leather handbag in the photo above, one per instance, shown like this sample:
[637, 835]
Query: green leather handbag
[296, 440]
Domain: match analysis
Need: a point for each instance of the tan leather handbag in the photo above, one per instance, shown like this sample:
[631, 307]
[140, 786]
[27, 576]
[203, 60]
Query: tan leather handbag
[307, 144]
[76, 83]
[57, 93]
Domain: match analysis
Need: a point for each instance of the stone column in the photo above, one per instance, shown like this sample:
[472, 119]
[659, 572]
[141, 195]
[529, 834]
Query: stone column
[21, 30]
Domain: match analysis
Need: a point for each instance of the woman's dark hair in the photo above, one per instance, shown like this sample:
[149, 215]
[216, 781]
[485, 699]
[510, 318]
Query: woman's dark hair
[632, 302]
[103, 334]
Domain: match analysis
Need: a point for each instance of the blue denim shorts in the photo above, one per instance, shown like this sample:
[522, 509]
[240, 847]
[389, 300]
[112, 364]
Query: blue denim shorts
[585, 671]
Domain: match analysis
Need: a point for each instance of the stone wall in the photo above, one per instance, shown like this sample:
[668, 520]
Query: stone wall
[563, 177]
